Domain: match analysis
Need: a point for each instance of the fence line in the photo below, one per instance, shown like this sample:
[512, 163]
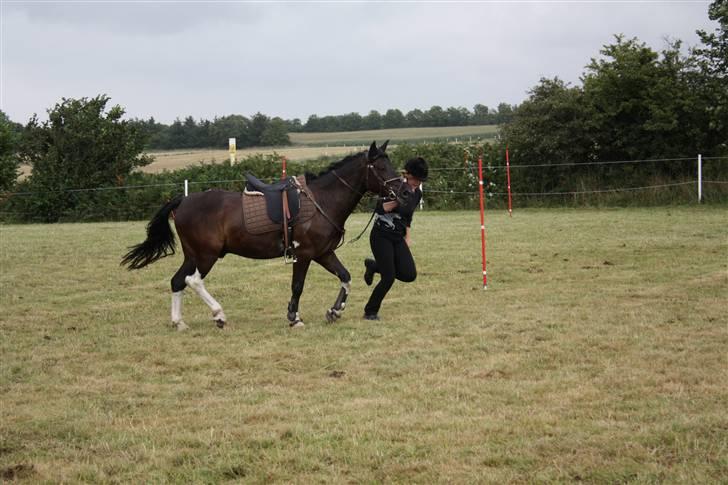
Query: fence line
[581, 164]
[433, 169]
[207, 182]
[626, 189]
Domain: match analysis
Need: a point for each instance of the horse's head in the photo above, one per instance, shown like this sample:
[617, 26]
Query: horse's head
[382, 178]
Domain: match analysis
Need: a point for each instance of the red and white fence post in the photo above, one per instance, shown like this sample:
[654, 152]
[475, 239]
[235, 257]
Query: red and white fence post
[482, 221]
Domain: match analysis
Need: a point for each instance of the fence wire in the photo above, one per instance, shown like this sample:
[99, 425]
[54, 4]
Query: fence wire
[467, 168]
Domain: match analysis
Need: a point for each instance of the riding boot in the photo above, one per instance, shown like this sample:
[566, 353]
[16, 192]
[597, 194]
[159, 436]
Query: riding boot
[371, 268]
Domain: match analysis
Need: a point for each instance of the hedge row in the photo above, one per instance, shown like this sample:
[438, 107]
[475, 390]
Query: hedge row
[453, 184]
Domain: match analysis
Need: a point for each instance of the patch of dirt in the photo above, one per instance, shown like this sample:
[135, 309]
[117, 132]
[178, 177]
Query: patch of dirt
[16, 472]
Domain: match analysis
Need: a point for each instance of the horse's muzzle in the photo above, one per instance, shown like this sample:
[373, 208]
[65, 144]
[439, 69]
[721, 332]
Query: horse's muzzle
[405, 194]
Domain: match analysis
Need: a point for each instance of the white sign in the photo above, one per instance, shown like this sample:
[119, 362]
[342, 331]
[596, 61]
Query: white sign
[231, 143]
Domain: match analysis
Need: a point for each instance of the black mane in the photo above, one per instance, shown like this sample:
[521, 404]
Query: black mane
[334, 166]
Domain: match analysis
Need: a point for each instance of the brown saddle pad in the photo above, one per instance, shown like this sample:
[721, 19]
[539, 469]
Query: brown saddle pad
[255, 215]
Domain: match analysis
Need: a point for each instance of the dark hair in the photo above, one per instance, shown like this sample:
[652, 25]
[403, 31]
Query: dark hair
[417, 167]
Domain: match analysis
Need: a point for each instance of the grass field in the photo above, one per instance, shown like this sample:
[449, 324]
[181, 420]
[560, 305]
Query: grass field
[597, 354]
[307, 146]
[175, 159]
[396, 135]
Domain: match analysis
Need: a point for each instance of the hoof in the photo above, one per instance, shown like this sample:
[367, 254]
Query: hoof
[180, 326]
[219, 318]
[297, 324]
[332, 315]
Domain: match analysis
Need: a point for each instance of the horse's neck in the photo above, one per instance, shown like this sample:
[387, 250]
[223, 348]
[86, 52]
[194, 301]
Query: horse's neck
[335, 197]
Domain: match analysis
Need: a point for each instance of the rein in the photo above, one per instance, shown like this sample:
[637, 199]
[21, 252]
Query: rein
[320, 209]
[374, 212]
[382, 183]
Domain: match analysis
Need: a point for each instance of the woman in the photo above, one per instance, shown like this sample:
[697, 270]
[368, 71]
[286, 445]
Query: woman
[390, 240]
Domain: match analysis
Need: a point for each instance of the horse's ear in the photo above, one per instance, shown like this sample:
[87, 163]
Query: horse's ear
[383, 148]
[373, 151]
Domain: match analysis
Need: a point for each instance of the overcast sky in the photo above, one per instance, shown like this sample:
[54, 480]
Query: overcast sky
[288, 59]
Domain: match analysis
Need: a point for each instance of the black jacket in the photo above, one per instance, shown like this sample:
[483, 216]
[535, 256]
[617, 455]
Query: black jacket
[400, 218]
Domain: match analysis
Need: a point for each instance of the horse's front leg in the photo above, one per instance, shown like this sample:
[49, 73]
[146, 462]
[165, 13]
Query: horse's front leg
[334, 266]
[300, 268]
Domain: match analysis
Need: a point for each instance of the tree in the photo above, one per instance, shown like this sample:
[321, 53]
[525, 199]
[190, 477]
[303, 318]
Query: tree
[276, 134]
[711, 77]
[457, 116]
[635, 104]
[258, 124]
[415, 118]
[151, 130]
[8, 157]
[714, 53]
[503, 114]
[481, 115]
[435, 116]
[294, 125]
[233, 126]
[641, 103]
[393, 118]
[350, 122]
[81, 146]
[549, 128]
[372, 121]
[189, 132]
[175, 136]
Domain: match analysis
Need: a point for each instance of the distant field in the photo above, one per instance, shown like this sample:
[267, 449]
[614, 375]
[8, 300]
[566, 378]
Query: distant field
[174, 159]
[307, 146]
[397, 135]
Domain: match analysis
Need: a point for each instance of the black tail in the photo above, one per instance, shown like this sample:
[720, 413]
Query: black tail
[160, 240]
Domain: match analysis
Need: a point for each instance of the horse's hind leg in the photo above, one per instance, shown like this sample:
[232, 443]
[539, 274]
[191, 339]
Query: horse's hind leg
[334, 266]
[178, 287]
[300, 268]
[203, 266]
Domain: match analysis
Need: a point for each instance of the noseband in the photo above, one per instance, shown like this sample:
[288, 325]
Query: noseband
[382, 182]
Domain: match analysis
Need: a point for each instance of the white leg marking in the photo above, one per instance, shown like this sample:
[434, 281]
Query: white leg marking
[177, 311]
[296, 244]
[346, 286]
[195, 282]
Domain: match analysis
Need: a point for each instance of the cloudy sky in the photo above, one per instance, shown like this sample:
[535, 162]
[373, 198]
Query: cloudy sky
[171, 59]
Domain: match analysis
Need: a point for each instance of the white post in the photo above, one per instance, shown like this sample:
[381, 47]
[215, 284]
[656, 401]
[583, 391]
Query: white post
[232, 149]
[187, 187]
[422, 200]
[700, 178]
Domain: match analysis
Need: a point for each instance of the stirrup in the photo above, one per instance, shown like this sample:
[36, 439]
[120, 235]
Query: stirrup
[289, 256]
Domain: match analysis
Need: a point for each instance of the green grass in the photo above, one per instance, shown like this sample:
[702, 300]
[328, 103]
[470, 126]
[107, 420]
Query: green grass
[597, 354]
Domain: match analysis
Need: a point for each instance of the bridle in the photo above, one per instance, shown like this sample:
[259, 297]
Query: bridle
[382, 185]
[382, 182]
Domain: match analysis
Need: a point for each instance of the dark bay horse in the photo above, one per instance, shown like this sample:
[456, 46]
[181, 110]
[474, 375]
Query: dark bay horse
[210, 225]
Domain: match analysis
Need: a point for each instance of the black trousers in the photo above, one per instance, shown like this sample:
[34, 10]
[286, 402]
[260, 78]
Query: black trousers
[394, 261]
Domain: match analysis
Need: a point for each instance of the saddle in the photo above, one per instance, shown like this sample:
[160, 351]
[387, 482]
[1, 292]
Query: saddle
[276, 208]
[282, 199]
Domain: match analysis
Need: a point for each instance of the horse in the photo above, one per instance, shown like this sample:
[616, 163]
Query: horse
[210, 224]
